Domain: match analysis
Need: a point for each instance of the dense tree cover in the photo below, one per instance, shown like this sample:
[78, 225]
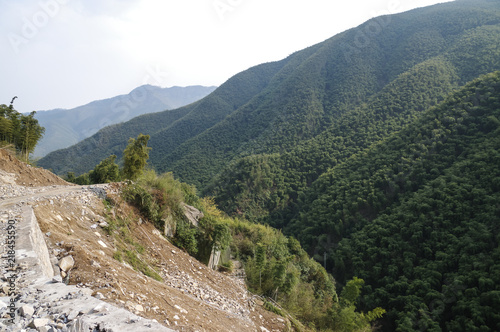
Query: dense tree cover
[272, 196]
[265, 187]
[417, 217]
[19, 130]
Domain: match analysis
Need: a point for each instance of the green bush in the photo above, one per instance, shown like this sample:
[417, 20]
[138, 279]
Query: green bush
[185, 238]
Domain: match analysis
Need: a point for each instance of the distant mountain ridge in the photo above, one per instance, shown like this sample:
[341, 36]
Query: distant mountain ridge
[65, 127]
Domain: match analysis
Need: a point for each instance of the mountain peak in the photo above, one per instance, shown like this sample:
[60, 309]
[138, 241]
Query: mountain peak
[66, 127]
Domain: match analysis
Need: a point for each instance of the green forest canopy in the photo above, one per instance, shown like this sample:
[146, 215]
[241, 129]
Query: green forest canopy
[21, 131]
[417, 217]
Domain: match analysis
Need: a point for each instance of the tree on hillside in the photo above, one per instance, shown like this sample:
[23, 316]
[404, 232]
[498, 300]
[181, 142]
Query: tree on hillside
[30, 133]
[106, 171]
[135, 157]
[22, 131]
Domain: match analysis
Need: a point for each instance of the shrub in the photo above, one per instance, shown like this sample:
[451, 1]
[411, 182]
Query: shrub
[185, 238]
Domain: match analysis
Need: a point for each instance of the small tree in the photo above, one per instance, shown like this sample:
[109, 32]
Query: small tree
[221, 237]
[135, 157]
[70, 177]
[30, 133]
[260, 260]
[107, 171]
[22, 131]
[343, 314]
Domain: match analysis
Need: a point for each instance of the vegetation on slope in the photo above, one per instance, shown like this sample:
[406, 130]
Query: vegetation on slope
[276, 266]
[20, 131]
[417, 218]
[265, 187]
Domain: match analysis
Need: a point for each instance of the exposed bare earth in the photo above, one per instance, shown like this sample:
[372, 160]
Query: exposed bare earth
[13, 171]
[191, 297]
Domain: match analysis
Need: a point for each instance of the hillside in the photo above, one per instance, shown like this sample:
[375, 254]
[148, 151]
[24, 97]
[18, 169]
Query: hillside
[65, 127]
[417, 216]
[116, 242]
[266, 186]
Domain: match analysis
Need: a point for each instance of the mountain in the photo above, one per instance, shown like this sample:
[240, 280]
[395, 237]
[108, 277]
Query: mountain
[182, 123]
[446, 45]
[266, 186]
[64, 128]
[417, 217]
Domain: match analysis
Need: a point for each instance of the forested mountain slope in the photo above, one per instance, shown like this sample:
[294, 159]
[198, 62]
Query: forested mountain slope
[340, 75]
[417, 217]
[266, 186]
[65, 127]
[273, 107]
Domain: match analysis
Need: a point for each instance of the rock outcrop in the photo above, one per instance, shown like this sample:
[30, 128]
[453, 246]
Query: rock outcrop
[192, 214]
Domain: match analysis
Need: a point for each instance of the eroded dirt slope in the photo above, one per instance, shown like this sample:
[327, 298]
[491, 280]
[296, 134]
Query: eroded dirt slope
[13, 171]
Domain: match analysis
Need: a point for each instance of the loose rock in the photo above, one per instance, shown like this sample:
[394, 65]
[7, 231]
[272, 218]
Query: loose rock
[26, 311]
[66, 263]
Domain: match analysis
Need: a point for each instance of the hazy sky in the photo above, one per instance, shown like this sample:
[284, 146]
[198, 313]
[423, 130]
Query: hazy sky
[66, 53]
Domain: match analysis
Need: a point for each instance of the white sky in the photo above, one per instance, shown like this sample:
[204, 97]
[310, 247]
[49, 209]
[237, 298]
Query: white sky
[66, 53]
